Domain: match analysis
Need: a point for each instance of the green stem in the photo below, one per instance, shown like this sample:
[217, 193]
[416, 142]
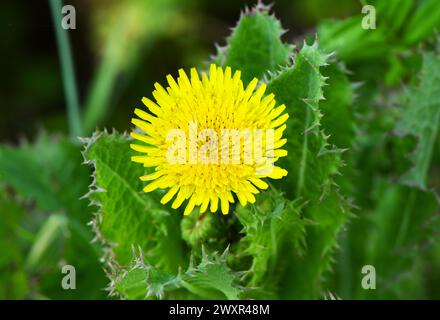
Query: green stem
[100, 93]
[406, 217]
[303, 163]
[104, 81]
[67, 69]
[345, 267]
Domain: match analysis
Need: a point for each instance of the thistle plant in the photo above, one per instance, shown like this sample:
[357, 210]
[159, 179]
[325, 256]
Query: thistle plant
[272, 170]
[261, 244]
[281, 237]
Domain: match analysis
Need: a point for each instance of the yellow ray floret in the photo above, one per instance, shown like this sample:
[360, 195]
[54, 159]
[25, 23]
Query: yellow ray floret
[207, 138]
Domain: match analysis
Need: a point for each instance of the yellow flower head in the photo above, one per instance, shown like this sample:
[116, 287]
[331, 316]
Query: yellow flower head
[208, 138]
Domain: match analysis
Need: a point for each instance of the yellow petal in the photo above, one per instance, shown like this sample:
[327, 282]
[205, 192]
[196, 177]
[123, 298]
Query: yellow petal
[154, 108]
[250, 197]
[279, 121]
[224, 204]
[280, 143]
[139, 148]
[278, 173]
[280, 153]
[144, 115]
[242, 198]
[277, 111]
[205, 204]
[179, 199]
[169, 195]
[259, 183]
[250, 88]
[152, 186]
[152, 176]
[143, 138]
[183, 80]
[190, 206]
[144, 126]
[214, 204]
[173, 84]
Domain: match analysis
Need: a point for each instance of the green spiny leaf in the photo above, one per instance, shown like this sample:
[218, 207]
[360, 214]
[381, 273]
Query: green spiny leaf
[270, 227]
[338, 119]
[128, 217]
[44, 171]
[255, 46]
[212, 273]
[211, 278]
[312, 164]
[421, 118]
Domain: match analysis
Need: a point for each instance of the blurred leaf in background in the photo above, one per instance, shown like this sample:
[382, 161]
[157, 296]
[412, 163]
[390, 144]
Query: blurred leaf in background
[123, 30]
[47, 180]
[14, 280]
